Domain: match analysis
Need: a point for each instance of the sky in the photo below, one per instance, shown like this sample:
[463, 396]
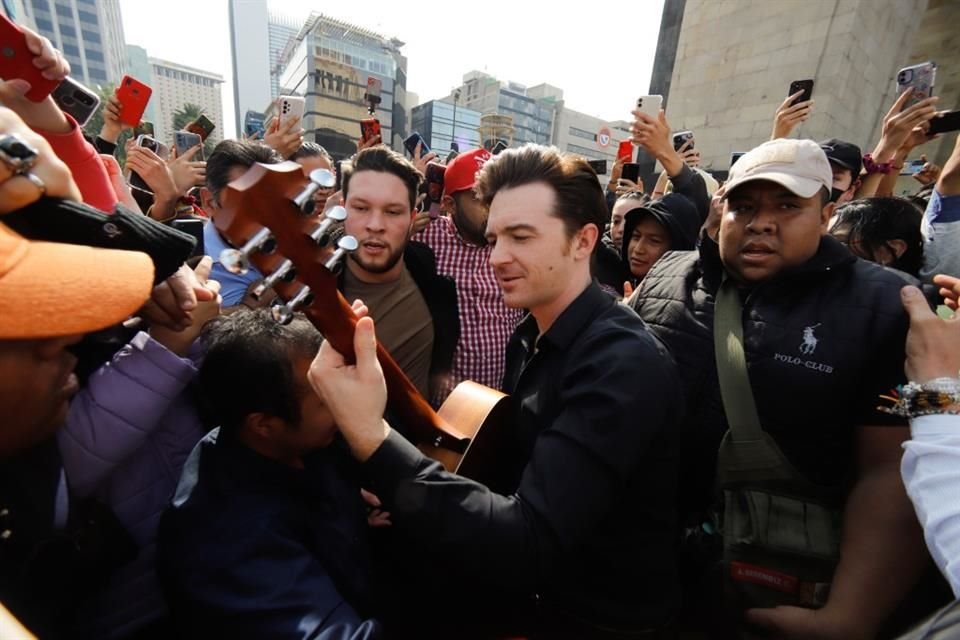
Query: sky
[600, 55]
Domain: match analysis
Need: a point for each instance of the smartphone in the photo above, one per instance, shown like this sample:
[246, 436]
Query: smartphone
[599, 166]
[650, 105]
[410, 144]
[193, 227]
[736, 154]
[75, 99]
[133, 96]
[625, 151]
[145, 128]
[291, 107]
[497, 148]
[186, 140]
[369, 129]
[944, 122]
[16, 61]
[630, 171]
[680, 138]
[912, 167]
[920, 78]
[434, 180]
[202, 126]
[374, 89]
[253, 123]
[806, 86]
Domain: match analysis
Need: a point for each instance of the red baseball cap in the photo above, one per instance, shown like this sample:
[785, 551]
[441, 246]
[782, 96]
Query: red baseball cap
[461, 174]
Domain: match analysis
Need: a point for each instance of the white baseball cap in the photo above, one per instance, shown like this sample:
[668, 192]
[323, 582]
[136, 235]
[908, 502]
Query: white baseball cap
[798, 165]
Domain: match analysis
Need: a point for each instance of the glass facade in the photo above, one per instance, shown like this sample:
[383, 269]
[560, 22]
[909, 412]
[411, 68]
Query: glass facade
[434, 121]
[532, 119]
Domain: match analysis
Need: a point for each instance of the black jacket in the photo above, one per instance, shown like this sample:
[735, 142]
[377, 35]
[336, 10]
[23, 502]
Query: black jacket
[676, 213]
[251, 548]
[589, 533]
[822, 341]
[440, 294]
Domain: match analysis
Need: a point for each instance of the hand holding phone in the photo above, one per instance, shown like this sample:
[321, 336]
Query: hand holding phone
[650, 105]
[22, 58]
[75, 99]
[369, 130]
[410, 144]
[804, 87]
[681, 138]
[920, 78]
[186, 140]
[944, 122]
[631, 172]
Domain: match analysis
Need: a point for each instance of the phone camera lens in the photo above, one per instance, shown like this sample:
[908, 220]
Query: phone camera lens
[8, 52]
[68, 101]
[128, 82]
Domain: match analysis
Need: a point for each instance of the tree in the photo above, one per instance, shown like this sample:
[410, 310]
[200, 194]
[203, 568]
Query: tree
[184, 116]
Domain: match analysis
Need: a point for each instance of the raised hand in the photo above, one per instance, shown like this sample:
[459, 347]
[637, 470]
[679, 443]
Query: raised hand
[788, 116]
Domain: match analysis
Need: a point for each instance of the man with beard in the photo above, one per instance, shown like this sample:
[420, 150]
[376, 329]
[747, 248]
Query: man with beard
[463, 254]
[415, 309]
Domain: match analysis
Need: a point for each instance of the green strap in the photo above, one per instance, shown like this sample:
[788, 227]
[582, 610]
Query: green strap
[738, 402]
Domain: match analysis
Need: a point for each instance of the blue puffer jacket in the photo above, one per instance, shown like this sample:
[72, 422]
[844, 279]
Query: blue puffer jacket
[127, 436]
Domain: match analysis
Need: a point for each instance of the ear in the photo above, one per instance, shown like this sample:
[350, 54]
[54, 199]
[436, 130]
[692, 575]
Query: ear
[262, 426]
[899, 246]
[585, 241]
[206, 200]
[825, 214]
[448, 204]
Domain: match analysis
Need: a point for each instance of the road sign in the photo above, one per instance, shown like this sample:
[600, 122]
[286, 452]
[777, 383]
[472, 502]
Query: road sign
[603, 137]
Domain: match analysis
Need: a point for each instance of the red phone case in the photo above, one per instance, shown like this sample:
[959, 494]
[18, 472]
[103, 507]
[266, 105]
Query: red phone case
[625, 151]
[369, 128]
[16, 61]
[133, 96]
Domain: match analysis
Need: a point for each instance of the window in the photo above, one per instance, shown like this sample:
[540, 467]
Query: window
[582, 133]
[91, 36]
[71, 50]
[45, 26]
[94, 55]
[66, 12]
[86, 16]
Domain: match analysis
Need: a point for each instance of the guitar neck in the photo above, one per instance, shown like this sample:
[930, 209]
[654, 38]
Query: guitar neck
[421, 421]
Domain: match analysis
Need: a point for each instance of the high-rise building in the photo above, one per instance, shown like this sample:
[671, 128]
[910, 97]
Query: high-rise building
[329, 63]
[138, 66]
[724, 67]
[176, 85]
[434, 121]
[88, 32]
[16, 11]
[250, 53]
[531, 112]
[281, 29]
[589, 137]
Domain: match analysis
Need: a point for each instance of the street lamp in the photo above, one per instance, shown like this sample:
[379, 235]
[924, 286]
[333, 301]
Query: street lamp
[453, 135]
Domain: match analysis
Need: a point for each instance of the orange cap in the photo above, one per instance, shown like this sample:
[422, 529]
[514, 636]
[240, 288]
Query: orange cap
[49, 289]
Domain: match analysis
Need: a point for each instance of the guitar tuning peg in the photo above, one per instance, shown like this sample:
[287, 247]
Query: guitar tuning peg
[345, 245]
[319, 179]
[285, 273]
[320, 235]
[284, 313]
[237, 261]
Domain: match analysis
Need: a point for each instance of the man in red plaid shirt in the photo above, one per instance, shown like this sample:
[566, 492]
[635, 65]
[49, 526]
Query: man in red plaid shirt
[463, 254]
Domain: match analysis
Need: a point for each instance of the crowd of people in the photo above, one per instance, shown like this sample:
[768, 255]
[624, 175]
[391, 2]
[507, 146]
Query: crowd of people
[732, 408]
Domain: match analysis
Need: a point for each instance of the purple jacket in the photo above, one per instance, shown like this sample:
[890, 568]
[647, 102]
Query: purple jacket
[127, 436]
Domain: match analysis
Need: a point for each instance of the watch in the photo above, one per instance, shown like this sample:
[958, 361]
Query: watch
[16, 154]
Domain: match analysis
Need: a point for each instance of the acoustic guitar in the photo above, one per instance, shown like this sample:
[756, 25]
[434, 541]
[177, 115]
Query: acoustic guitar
[268, 214]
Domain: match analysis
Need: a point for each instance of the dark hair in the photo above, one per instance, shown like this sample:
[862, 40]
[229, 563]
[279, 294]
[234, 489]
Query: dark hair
[248, 367]
[874, 222]
[311, 150]
[235, 153]
[383, 160]
[634, 195]
[579, 197]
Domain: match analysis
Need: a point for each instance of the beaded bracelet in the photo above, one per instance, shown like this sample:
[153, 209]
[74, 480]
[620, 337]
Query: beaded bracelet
[934, 397]
[870, 166]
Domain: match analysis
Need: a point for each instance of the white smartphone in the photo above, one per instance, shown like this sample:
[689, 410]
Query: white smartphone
[650, 105]
[291, 107]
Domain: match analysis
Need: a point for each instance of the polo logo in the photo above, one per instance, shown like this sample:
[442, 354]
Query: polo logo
[809, 344]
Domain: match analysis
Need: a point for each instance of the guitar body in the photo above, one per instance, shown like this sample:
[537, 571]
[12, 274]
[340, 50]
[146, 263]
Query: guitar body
[481, 414]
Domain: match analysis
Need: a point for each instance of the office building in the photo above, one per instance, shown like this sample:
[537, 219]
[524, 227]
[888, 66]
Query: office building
[88, 32]
[329, 63]
[176, 85]
[589, 137]
[281, 29]
[434, 121]
[520, 115]
[724, 67]
[250, 55]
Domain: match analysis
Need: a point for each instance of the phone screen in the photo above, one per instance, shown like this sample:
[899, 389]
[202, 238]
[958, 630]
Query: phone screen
[630, 171]
[185, 140]
[411, 144]
[202, 126]
[369, 129]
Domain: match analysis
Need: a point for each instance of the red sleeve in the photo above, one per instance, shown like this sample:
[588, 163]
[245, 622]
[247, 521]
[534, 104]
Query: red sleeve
[85, 165]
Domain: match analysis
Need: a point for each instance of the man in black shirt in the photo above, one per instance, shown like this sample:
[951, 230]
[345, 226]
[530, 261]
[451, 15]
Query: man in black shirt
[584, 546]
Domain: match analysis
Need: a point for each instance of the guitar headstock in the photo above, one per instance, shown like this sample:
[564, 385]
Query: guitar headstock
[267, 215]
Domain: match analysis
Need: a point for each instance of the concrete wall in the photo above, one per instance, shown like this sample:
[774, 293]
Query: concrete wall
[736, 59]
